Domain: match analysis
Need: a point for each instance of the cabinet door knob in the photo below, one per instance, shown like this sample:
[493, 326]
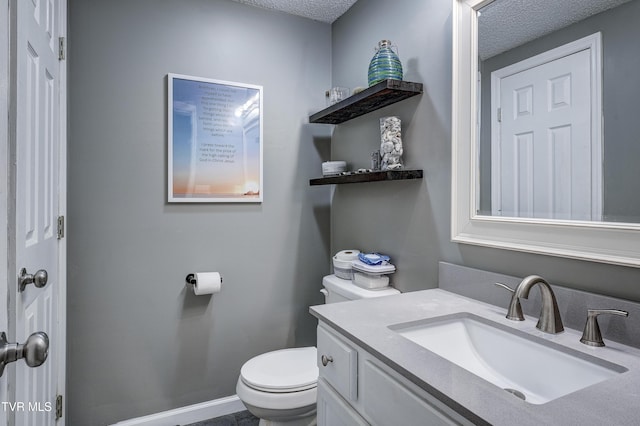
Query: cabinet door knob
[326, 360]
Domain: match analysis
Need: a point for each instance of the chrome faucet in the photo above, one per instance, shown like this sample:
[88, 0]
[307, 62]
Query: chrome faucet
[549, 321]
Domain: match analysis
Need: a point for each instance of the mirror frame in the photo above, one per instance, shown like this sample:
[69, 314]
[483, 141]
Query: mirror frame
[606, 242]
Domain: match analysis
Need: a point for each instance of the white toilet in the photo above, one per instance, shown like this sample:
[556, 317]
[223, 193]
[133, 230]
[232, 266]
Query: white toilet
[279, 387]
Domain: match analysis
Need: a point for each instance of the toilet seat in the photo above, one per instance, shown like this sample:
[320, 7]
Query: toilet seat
[282, 371]
[275, 400]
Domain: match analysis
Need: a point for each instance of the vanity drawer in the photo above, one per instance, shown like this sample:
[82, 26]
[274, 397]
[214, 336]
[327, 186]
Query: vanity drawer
[341, 359]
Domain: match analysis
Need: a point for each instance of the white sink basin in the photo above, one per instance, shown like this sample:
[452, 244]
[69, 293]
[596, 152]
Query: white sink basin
[527, 366]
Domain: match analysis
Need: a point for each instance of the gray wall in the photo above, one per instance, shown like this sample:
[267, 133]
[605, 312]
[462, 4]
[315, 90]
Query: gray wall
[138, 342]
[621, 90]
[411, 220]
[402, 219]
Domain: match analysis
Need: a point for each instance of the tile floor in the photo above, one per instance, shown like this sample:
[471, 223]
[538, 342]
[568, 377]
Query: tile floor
[242, 418]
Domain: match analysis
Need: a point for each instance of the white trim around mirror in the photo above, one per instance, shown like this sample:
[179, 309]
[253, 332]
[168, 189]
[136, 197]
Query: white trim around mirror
[607, 242]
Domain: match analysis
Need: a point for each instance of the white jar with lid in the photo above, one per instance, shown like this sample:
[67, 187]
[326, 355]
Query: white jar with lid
[342, 263]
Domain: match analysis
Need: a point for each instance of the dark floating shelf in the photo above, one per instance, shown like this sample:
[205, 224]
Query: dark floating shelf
[375, 97]
[368, 177]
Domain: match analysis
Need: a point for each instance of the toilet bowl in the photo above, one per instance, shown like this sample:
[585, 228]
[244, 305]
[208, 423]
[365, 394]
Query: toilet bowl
[280, 387]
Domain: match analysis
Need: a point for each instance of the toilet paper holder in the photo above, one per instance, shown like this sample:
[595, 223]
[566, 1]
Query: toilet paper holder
[191, 279]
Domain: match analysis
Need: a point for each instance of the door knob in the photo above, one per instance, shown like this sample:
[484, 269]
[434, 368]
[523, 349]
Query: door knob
[34, 350]
[39, 279]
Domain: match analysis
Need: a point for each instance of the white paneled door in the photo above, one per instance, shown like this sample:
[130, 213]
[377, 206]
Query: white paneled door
[40, 201]
[543, 162]
[4, 182]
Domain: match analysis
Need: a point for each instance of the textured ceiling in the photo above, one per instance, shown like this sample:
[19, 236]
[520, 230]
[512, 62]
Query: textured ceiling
[318, 10]
[505, 24]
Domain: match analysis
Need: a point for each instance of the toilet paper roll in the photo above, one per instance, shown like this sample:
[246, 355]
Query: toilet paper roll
[347, 255]
[207, 283]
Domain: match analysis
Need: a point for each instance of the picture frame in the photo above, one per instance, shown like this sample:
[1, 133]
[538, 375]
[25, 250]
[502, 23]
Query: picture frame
[214, 141]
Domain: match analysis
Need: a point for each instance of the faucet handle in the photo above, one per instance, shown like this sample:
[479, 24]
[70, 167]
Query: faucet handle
[591, 335]
[506, 287]
[515, 309]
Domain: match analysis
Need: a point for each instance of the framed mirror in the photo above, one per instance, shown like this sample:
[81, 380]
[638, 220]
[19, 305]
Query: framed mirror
[545, 151]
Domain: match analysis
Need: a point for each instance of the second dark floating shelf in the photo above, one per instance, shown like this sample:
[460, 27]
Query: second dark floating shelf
[368, 177]
[375, 97]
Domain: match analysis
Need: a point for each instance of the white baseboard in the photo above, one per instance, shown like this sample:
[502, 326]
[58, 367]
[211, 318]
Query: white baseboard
[190, 414]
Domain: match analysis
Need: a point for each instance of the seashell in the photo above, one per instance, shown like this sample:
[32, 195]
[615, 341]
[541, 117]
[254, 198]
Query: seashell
[394, 166]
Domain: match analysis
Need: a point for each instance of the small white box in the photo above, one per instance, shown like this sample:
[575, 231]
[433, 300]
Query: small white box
[371, 276]
[330, 168]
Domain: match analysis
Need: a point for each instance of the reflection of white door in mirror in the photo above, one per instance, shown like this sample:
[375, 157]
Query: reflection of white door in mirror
[546, 159]
[608, 242]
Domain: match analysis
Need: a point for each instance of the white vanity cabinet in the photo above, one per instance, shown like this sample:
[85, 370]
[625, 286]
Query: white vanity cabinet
[355, 388]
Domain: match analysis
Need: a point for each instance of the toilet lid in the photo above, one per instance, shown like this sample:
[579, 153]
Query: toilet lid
[286, 370]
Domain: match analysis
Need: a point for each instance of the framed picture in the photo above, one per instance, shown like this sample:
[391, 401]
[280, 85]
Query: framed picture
[214, 141]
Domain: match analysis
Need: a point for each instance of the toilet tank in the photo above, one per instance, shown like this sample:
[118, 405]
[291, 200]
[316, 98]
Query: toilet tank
[339, 290]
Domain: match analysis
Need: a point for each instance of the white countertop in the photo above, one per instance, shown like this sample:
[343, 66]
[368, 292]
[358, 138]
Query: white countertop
[615, 401]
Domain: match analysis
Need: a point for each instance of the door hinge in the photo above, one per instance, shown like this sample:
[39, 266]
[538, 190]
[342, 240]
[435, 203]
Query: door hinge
[499, 115]
[60, 227]
[58, 407]
[61, 49]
